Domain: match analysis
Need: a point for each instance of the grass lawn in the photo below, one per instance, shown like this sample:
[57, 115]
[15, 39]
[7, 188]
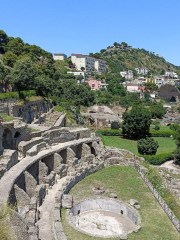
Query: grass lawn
[127, 184]
[166, 144]
[162, 128]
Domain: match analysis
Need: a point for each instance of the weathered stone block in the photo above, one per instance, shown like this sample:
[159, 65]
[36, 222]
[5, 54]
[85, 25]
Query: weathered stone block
[33, 204]
[30, 182]
[21, 197]
[67, 201]
[40, 193]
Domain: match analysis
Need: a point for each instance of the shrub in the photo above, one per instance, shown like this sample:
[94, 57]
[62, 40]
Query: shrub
[162, 133]
[158, 159]
[9, 95]
[24, 94]
[147, 146]
[175, 127]
[157, 127]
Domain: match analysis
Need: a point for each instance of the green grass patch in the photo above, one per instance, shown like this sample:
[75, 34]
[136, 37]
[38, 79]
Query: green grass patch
[162, 128]
[34, 130]
[166, 144]
[9, 95]
[6, 117]
[6, 230]
[127, 184]
[33, 98]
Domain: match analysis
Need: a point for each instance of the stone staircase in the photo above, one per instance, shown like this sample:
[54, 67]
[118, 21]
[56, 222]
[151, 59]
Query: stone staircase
[51, 119]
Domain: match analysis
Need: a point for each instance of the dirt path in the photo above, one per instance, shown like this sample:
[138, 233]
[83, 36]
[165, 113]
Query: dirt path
[46, 210]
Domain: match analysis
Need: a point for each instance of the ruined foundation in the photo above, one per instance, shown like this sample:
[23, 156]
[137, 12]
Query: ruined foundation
[103, 217]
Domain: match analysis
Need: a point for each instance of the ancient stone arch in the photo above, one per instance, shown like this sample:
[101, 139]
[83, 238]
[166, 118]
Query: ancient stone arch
[17, 134]
[169, 93]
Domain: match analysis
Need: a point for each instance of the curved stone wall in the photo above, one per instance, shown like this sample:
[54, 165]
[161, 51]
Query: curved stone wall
[107, 204]
[103, 217]
[73, 155]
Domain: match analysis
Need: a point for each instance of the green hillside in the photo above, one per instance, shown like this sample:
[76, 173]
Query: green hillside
[121, 57]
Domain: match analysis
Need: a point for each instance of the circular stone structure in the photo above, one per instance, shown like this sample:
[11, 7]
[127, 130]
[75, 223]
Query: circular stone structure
[104, 217]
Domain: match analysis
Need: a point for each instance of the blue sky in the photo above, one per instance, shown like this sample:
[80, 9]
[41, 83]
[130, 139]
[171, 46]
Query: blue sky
[69, 26]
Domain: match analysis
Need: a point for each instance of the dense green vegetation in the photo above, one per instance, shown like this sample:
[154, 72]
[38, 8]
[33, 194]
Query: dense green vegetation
[155, 223]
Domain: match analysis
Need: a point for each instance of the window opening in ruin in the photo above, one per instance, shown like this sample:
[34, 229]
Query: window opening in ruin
[93, 151]
[17, 134]
[122, 212]
[173, 99]
[63, 154]
[7, 139]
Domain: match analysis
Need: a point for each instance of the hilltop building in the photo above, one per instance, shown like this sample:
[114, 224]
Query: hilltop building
[88, 63]
[60, 56]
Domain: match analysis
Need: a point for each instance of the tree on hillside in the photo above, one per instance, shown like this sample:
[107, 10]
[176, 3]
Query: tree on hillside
[157, 110]
[162, 72]
[15, 45]
[102, 50]
[9, 58]
[124, 43]
[151, 86]
[2, 71]
[116, 89]
[147, 96]
[137, 122]
[44, 85]
[3, 41]
[79, 78]
[23, 74]
[131, 99]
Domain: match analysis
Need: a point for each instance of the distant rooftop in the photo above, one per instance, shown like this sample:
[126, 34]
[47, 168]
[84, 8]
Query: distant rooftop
[81, 55]
[59, 54]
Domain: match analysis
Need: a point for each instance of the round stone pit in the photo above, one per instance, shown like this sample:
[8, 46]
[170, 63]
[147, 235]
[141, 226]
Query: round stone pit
[104, 217]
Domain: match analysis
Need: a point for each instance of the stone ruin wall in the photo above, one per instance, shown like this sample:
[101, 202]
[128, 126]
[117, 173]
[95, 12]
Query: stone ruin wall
[28, 112]
[74, 155]
[168, 92]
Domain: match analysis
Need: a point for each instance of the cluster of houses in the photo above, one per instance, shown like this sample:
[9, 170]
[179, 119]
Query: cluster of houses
[85, 64]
